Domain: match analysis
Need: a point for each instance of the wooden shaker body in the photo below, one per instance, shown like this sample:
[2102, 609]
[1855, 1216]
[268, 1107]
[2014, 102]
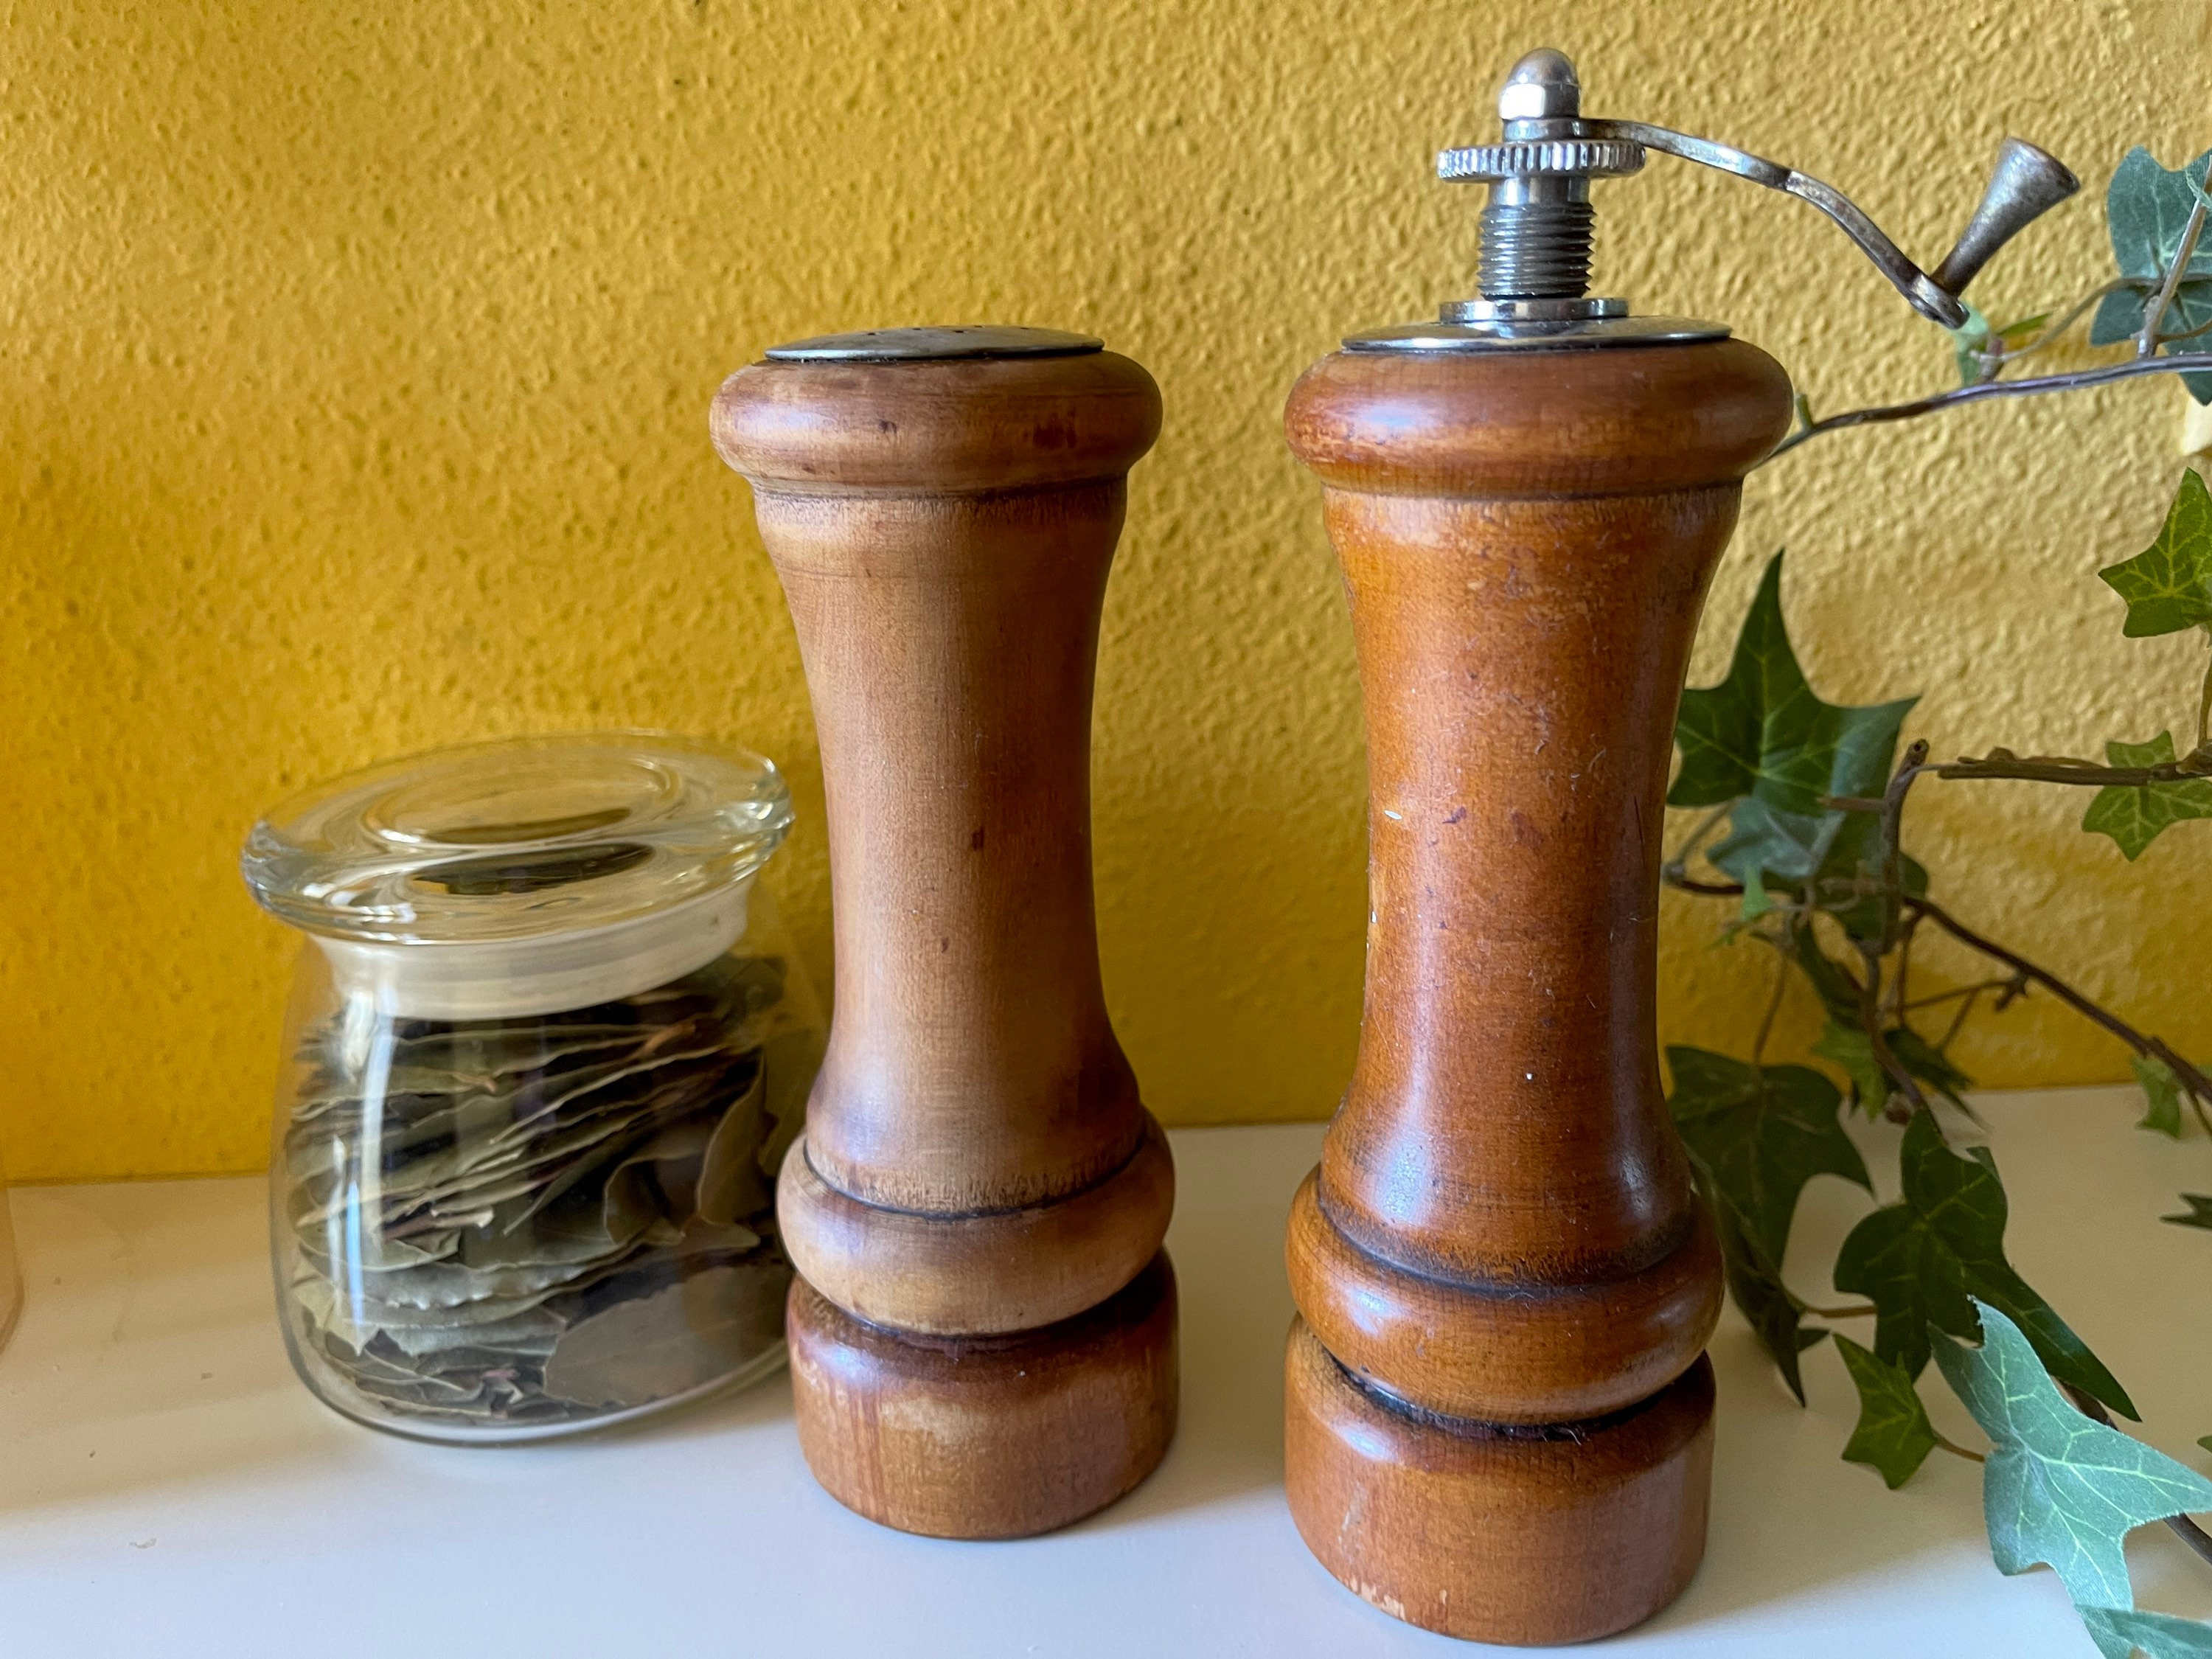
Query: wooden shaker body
[977, 1204]
[1501, 1252]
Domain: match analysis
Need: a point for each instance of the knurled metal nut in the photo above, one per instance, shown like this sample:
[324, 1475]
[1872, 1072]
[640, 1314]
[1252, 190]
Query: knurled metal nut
[1589, 157]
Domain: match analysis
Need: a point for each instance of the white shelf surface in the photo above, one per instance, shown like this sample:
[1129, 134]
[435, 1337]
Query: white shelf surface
[167, 1488]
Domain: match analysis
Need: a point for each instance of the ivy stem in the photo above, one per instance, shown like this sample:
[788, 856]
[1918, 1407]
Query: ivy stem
[2050, 335]
[1956, 1449]
[2193, 1081]
[1850, 1311]
[2079, 380]
[2001, 763]
[2185, 250]
[1893, 849]
[2183, 1528]
[1870, 1023]
[1773, 1007]
[1937, 999]
[2204, 702]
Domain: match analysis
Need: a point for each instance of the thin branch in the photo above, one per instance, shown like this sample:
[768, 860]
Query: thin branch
[1892, 823]
[2050, 335]
[2066, 768]
[2079, 379]
[1870, 1022]
[1773, 1007]
[1706, 889]
[2150, 1048]
[1957, 1450]
[2183, 1528]
[2204, 709]
[1936, 999]
[2204, 327]
[1959, 1020]
[1898, 1006]
[2154, 313]
[2194, 1083]
[1850, 1311]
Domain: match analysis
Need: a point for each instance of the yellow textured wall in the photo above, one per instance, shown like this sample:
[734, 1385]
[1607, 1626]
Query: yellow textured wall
[353, 371]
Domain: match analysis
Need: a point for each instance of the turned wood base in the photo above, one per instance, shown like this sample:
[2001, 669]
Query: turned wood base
[1496, 1535]
[987, 1437]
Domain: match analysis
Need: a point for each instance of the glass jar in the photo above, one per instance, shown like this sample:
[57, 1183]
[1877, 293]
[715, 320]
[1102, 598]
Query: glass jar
[547, 1046]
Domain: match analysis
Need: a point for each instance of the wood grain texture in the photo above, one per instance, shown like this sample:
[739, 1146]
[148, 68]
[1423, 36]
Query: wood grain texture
[1006, 1270]
[987, 1437]
[1460, 1527]
[1503, 1228]
[977, 1159]
[1503, 1353]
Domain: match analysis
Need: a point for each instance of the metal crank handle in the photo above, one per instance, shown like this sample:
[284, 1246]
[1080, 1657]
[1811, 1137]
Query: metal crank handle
[2027, 182]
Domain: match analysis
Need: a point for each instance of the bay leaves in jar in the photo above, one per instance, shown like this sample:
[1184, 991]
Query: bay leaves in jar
[680, 1338]
[474, 1200]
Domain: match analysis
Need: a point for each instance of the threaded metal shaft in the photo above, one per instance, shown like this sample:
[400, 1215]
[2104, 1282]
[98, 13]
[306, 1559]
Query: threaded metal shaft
[1536, 250]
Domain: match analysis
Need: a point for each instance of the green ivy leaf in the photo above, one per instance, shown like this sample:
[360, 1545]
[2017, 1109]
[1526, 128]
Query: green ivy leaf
[2134, 815]
[1755, 1137]
[1762, 732]
[1762, 741]
[1926, 1261]
[2059, 1489]
[1894, 1434]
[2161, 1097]
[2168, 585]
[2121, 1630]
[1772, 1308]
[2145, 208]
[1929, 1065]
[1758, 1134]
[2199, 1213]
[1849, 1047]
[1837, 993]
[1826, 854]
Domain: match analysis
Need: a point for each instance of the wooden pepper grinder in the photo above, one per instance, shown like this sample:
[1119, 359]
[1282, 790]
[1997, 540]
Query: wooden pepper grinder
[1499, 1415]
[983, 1332]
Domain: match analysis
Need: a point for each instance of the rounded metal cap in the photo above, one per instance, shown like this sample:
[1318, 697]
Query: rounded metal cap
[890, 345]
[1543, 85]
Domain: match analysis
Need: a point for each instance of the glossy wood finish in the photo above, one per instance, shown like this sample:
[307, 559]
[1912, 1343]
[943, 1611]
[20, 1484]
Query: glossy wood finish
[1490, 1537]
[1006, 1270]
[1503, 1230]
[1500, 1352]
[977, 1160]
[987, 1437]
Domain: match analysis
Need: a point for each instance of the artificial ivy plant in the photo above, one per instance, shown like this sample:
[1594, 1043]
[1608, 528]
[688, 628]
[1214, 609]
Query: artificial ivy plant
[1802, 832]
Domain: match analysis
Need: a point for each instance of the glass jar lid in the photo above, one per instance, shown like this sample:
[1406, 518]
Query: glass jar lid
[518, 839]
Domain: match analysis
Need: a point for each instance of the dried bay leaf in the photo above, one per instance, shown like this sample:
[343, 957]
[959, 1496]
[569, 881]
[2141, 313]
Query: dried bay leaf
[731, 1182]
[681, 1338]
[471, 1198]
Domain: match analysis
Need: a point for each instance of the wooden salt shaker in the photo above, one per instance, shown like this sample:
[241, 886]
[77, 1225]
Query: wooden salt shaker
[1499, 1415]
[983, 1332]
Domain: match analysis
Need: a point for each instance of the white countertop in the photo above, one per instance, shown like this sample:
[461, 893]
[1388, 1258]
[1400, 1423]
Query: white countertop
[167, 1488]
